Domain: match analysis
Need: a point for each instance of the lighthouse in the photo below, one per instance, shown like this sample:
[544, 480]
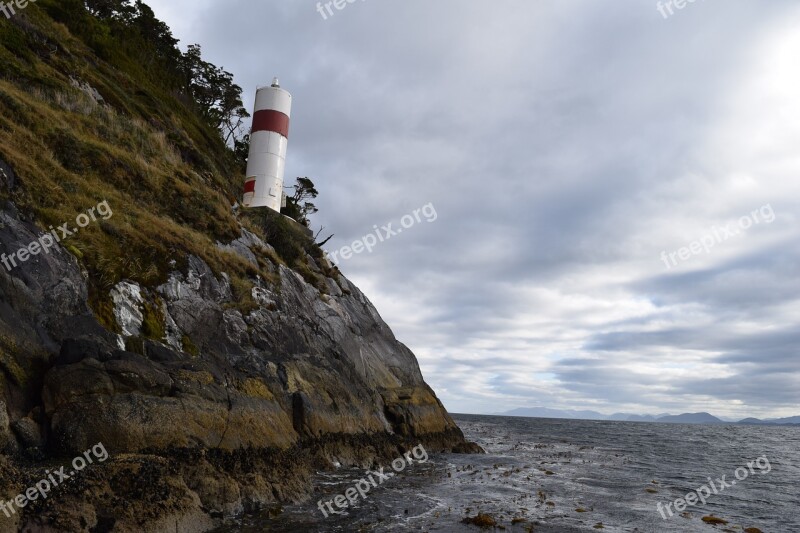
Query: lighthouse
[263, 186]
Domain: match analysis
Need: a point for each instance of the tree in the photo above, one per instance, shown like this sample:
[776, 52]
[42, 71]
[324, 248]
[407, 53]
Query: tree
[296, 205]
[241, 150]
[154, 31]
[106, 9]
[218, 98]
[128, 35]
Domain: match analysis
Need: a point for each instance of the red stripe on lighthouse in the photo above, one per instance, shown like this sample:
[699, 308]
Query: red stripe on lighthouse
[250, 186]
[271, 120]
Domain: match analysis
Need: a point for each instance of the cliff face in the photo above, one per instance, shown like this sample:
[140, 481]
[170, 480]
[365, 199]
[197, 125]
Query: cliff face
[302, 372]
[214, 353]
[300, 365]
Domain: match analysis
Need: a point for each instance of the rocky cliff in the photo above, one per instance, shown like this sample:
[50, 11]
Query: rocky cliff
[215, 354]
[314, 376]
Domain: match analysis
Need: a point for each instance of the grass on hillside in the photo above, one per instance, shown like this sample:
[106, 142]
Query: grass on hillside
[168, 178]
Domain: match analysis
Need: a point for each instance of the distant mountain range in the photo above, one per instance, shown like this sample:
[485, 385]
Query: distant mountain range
[664, 418]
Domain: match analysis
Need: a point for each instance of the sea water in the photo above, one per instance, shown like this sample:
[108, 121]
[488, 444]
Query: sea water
[554, 475]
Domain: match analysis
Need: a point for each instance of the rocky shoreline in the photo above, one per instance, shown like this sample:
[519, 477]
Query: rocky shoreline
[193, 490]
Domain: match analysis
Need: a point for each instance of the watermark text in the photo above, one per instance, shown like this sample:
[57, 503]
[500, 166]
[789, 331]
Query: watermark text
[326, 9]
[49, 482]
[49, 239]
[384, 233]
[701, 495]
[371, 481]
[719, 235]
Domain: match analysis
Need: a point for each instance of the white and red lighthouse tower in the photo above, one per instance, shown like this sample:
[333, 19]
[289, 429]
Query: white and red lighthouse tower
[263, 186]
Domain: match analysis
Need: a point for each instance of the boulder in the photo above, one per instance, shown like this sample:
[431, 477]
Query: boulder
[28, 432]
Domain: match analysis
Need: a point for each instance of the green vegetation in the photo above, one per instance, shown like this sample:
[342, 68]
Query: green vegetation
[297, 206]
[21, 364]
[162, 145]
[135, 345]
[293, 244]
[189, 347]
[153, 321]
[242, 290]
[8, 362]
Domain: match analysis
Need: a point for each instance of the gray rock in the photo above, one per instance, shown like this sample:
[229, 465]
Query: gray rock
[44, 303]
[235, 327]
[28, 432]
[87, 89]
[263, 297]
[172, 332]
[244, 246]
[8, 177]
[128, 302]
[194, 303]
[198, 284]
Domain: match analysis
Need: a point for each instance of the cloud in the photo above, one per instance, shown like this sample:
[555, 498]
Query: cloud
[565, 145]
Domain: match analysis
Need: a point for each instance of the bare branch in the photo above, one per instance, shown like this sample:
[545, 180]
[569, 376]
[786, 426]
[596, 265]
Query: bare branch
[321, 244]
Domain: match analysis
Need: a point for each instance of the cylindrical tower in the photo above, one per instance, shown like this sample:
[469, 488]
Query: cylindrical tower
[263, 186]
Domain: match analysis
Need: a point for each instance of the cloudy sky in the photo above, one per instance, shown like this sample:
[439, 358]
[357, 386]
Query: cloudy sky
[570, 149]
